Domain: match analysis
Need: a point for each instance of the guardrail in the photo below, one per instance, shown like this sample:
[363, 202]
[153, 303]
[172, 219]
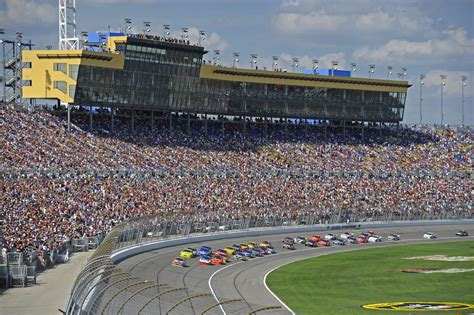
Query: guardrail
[103, 288]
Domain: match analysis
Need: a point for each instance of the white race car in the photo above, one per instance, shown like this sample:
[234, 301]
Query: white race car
[329, 237]
[375, 239]
[345, 235]
[429, 235]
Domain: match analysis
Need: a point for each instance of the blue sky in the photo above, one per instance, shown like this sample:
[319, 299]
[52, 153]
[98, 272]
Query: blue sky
[427, 36]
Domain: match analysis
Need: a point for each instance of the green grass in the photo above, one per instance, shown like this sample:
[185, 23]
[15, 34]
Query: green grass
[340, 283]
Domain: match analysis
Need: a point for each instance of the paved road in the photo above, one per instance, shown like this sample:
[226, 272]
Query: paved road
[245, 280]
[50, 293]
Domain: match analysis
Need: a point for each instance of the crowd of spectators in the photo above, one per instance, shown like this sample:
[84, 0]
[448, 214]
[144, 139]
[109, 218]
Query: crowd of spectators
[194, 177]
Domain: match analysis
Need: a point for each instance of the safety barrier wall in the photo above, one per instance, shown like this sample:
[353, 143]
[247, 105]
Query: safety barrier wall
[103, 288]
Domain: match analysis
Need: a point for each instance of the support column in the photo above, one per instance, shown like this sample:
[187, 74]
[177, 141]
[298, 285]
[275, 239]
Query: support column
[205, 124]
[189, 123]
[111, 118]
[171, 121]
[152, 119]
[223, 130]
[325, 133]
[68, 118]
[380, 130]
[90, 118]
[363, 128]
[133, 121]
[245, 126]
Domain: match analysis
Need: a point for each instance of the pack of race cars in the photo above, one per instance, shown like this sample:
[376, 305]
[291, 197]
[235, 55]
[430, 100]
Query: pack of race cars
[206, 256]
[246, 251]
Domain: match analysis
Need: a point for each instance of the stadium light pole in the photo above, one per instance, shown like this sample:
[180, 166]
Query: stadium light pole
[371, 70]
[315, 65]
[275, 63]
[422, 77]
[146, 27]
[404, 72]
[334, 64]
[253, 60]
[202, 37]
[217, 56]
[443, 83]
[353, 67]
[166, 30]
[463, 85]
[295, 63]
[389, 71]
[128, 25]
[235, 62]
[184, 33]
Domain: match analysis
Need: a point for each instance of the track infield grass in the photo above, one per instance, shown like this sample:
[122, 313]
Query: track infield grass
[341, 283]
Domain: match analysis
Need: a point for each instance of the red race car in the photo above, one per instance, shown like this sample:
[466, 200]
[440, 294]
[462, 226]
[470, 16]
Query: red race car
[314, 238]
[323, 243]
[179, 262]
[218, 260]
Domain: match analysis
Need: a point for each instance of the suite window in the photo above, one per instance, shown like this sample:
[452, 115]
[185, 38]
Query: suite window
[62, 67]
[60, 85]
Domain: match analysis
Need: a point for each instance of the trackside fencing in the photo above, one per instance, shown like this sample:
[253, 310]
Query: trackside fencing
[103, 288]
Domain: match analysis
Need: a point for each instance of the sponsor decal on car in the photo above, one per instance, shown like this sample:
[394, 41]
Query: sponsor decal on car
[419, 306]
[442, 258]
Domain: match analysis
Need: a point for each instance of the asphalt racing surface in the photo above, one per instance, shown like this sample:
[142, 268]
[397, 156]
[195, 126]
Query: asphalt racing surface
[245, 280]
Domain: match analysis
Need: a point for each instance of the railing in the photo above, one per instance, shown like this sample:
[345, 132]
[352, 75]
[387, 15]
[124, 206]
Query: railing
[103, 288]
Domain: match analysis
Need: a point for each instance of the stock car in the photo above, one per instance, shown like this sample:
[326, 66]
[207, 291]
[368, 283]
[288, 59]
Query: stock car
[323, 243]
[339, 241]
[247, 254]
[240, 256]
[314, 238]
[393, 237]
[236, 247]
[195, 253]
[375, 239]
[243, 246]
[265, 244]
[222, 253]
[269, 250]
[252, 245]
[462, 233]
[230, 250]
[256, 252]
[186, 253]
[311, 243]
[218, 260]
[345, 235]
[287, 239]
[179, 262]
[205, 260]
[361, 239]
[204, 251]
[429, 235]
[329, 237]
[351, 240]
[300, 240]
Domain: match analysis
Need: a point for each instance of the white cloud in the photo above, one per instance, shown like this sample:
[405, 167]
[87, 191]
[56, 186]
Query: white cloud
[296, 23]
[363, 19]
[102, 2]
[455, 43]
[29, 12]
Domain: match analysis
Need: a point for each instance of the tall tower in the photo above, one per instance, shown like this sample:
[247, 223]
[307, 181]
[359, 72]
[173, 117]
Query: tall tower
[67, 25]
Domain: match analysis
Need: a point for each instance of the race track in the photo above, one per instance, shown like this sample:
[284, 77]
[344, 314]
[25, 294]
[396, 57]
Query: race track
[245, 280]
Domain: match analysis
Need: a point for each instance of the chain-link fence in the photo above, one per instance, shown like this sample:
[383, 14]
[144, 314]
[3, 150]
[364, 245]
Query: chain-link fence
[103, 288]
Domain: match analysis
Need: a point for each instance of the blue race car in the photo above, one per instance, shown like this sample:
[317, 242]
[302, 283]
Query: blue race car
[205, 251]
[240, 256]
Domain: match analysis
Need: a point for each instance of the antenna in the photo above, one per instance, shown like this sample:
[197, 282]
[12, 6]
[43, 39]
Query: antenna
[67, 25]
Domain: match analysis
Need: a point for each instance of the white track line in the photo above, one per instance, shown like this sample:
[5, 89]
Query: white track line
[271, 292]
[212, 290]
